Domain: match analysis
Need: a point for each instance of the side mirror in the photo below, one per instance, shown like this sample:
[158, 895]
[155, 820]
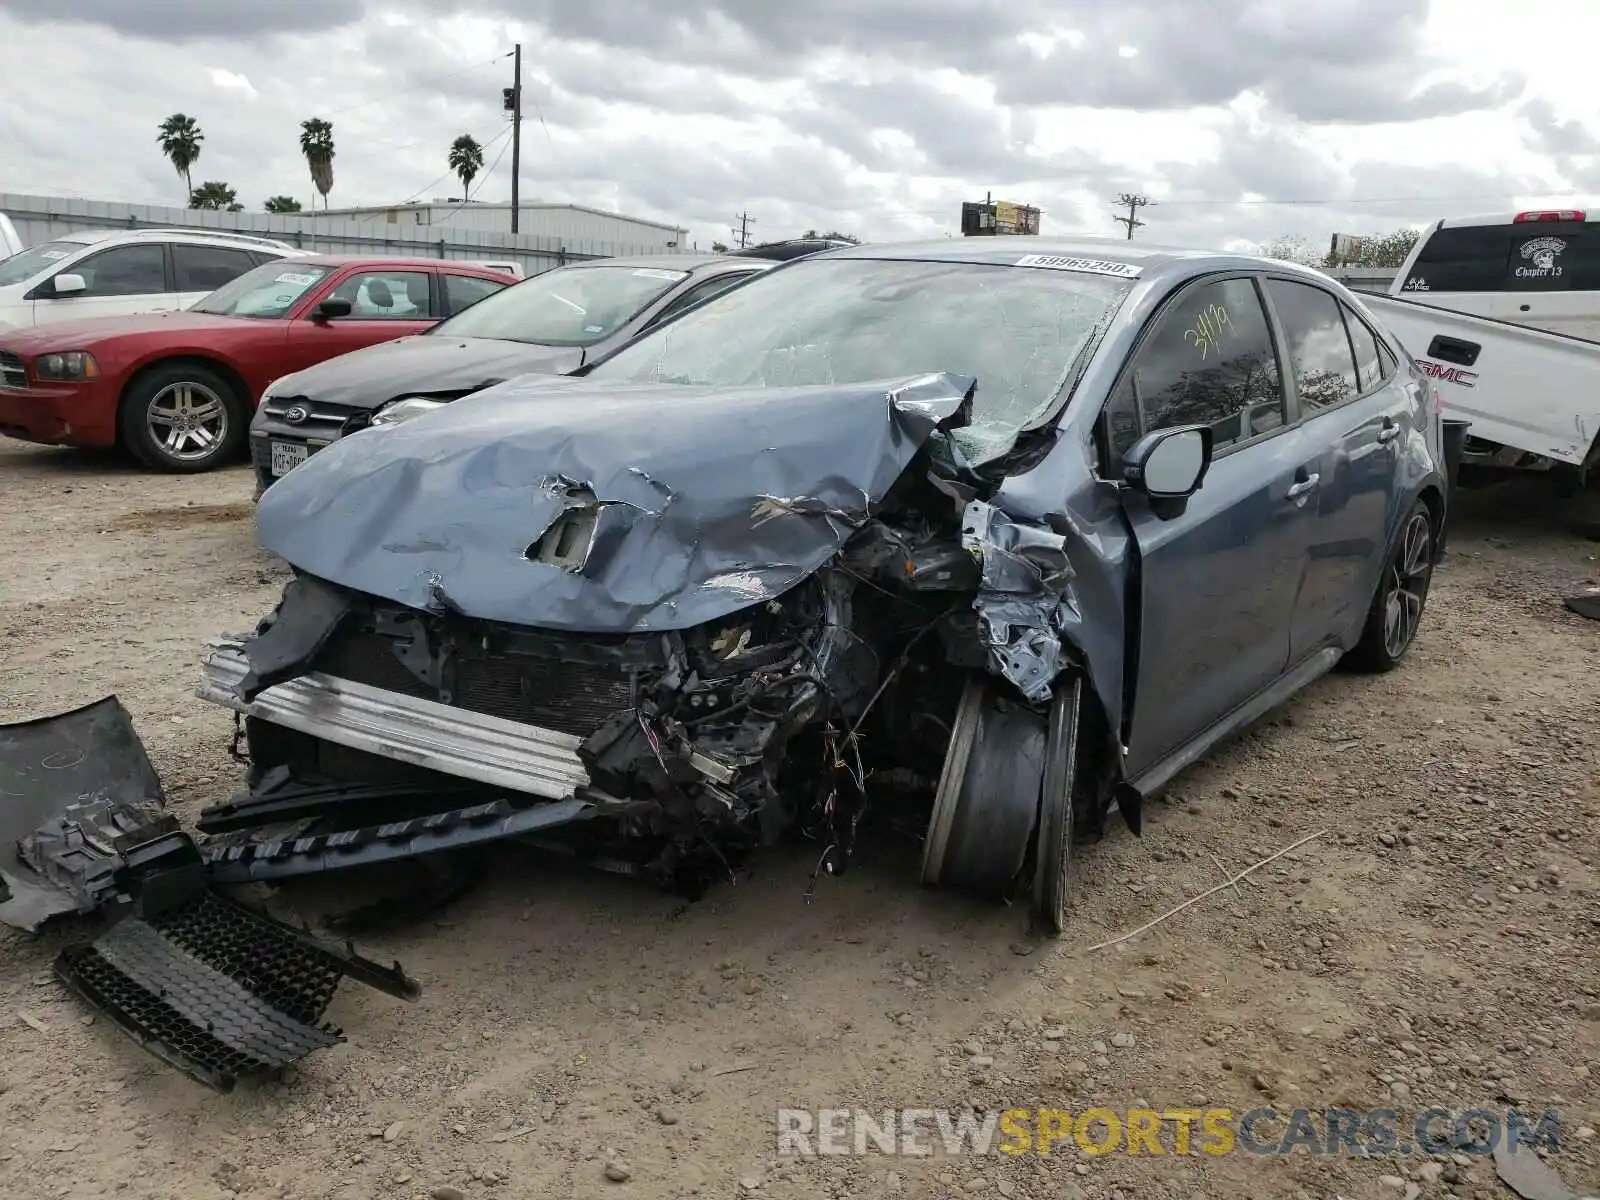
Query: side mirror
[331, 309]
[1169, 464]
[67, 283]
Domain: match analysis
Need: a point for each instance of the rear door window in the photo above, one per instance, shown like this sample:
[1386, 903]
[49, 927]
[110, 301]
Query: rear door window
[1324, 365]
[206, 268]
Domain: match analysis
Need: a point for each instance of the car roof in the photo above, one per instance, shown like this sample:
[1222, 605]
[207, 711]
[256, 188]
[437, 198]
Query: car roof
[1167, 264]
[386, 261]
[93, 237]
[1005, 251]
[670, 262]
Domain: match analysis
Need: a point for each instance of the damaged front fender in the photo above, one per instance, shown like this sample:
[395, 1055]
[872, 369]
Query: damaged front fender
[1024, 598]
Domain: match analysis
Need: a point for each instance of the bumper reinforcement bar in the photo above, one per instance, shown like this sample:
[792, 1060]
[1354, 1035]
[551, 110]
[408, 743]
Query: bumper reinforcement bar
[424, 733]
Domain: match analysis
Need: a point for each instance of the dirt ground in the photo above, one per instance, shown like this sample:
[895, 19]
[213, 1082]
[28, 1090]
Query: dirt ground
[1435, 946]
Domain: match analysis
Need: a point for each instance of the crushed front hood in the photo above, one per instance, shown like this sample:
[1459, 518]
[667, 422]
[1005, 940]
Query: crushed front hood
[424, 364]
[681, 504]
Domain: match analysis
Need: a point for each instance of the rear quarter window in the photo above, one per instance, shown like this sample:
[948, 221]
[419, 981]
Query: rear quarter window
[1471, 258]
[1540, 256]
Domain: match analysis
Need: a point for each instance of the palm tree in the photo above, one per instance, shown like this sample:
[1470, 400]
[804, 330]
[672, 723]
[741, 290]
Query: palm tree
[179, 138]
[282, 204]
[215, 194]
[466, 160]
[316, 143]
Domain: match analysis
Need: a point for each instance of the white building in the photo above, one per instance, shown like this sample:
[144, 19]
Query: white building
[571, 223]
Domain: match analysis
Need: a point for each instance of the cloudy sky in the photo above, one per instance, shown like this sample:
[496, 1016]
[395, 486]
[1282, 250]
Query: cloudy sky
[1243, 121]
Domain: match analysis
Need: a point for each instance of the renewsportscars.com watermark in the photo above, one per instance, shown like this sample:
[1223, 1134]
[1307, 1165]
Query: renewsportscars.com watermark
[1377, 1132]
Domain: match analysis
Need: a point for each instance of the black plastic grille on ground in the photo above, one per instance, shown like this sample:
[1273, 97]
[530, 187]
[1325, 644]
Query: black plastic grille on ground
[217, 990]
[237, 944]
[149, 1020]
[247, 1023]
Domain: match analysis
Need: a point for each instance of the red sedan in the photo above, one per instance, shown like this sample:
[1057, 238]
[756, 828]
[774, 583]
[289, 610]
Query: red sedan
[177, 389]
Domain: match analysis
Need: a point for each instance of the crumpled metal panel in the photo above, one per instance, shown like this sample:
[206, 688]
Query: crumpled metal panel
[1024, 598]
[740, 495]
[1061, 495]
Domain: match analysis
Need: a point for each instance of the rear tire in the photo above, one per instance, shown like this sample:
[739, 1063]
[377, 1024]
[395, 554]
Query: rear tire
[1402, 594]
[183, 418]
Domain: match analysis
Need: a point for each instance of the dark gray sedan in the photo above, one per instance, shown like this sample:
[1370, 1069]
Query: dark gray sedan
[1009, 529]
[553, 323]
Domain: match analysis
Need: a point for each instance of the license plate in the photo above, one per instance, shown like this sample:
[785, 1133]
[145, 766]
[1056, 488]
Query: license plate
[286, 456]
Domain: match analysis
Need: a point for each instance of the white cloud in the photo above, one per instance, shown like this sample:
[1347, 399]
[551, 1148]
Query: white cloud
[228, 80]
[876, 117]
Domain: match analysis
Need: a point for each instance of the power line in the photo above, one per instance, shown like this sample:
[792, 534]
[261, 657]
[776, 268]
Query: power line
[423, 80]
[426, 188]
[371, 149]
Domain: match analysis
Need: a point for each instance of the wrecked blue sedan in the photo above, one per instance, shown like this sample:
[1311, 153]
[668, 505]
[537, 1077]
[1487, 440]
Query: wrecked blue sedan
[1003, 532]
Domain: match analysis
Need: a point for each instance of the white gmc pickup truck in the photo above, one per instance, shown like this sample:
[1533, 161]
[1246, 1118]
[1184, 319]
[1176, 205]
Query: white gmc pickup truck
[1504, 314]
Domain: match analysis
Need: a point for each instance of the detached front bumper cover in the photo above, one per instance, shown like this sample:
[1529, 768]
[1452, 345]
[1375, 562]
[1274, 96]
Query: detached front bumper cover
[205, 984]
[70, 784]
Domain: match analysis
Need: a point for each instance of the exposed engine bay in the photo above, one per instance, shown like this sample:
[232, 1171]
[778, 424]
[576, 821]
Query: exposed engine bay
[542, 613]
[698, 745]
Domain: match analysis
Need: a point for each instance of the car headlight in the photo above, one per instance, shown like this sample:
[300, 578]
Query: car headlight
[61, 368]
[404, 409]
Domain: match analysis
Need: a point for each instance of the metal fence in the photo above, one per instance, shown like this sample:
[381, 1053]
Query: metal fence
[41, 218]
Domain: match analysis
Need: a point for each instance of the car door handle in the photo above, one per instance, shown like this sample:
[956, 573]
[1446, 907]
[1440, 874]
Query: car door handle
[1296, 490]
[1388, 433]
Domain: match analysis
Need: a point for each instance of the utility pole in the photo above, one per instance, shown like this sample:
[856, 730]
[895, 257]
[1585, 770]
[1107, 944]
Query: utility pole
[743, 231]
[1134, 203]
[516, 136]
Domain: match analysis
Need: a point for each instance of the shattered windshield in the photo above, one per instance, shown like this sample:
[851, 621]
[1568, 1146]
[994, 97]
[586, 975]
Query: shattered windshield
[569, 306]
[1020, 331]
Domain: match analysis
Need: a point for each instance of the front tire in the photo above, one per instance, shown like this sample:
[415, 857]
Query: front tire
[1052, 879]
[1402, 593]
[987, 803]
[183, 418]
